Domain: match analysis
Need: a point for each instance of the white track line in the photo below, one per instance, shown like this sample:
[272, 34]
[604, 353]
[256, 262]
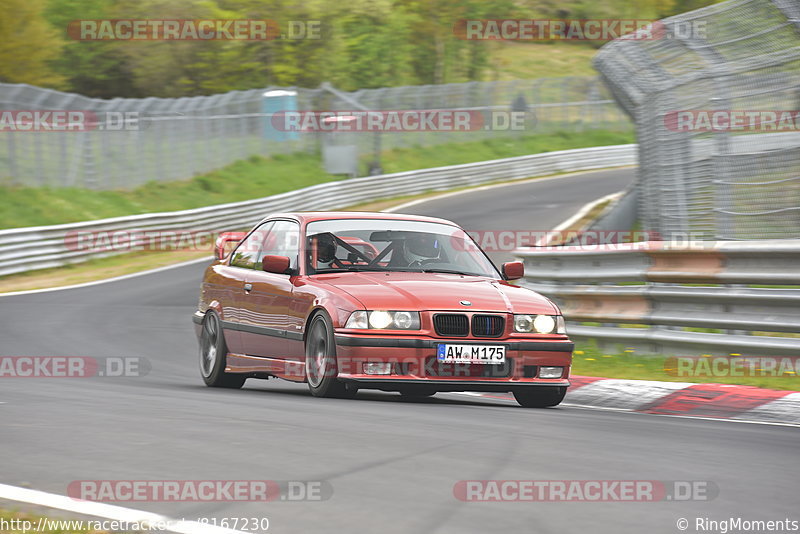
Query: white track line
[589, 206]
[405, 205]
[702, 418]
[632, 411]
[107, 511]
[545, 241]
[108, 280]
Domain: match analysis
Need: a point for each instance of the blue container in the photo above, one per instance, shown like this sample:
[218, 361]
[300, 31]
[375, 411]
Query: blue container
[273, 103]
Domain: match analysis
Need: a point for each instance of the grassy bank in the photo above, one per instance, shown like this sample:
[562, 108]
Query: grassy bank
[259, 177]
[513, 60]
[591, 361]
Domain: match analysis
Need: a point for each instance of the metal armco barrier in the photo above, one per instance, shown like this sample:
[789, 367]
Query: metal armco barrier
[25, 249]
[637, 293]
[739, 55]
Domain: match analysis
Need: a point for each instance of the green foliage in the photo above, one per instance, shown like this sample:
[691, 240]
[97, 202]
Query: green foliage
[363, 44]
[626, 363]
[28, 44]
[94, 68]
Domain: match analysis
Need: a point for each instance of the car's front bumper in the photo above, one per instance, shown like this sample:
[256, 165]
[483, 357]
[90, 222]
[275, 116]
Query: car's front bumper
[414, 363]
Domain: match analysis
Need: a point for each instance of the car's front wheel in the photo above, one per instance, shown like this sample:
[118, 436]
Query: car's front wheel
[321, 368]
[212, 355]
[540, 396]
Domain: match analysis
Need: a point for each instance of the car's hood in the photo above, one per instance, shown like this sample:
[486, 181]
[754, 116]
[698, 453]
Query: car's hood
[433, 291]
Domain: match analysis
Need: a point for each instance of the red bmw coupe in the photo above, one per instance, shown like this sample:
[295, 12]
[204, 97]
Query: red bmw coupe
[348, 301]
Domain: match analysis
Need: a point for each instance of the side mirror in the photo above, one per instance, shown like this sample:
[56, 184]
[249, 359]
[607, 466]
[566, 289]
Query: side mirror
[275, 264]
[513, 270]
[224, 240]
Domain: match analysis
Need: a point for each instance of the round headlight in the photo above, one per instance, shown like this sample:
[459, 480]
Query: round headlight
[380, 319]
[544, 324]
[523, 323]
[358, 319]
[402, 320]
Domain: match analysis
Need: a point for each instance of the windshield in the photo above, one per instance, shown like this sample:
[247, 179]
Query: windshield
[393, 245]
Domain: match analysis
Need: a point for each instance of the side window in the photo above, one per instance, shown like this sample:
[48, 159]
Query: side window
[247, 253]
[283, 239]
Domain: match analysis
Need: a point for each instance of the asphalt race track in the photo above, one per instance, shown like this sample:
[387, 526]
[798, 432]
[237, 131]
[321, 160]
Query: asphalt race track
[392, 464]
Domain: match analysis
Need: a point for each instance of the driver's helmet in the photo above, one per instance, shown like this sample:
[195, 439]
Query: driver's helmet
[326, 247]
[419, 247]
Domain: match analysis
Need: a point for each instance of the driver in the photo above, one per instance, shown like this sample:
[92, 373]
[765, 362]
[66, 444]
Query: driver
[419, 248]
[325, 247]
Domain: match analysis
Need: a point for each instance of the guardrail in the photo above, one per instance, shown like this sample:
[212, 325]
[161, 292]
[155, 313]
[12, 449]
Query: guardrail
[637, 293]
[25, 249]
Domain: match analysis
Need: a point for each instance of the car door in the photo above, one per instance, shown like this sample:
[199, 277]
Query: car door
[243, 260]
[267, 320]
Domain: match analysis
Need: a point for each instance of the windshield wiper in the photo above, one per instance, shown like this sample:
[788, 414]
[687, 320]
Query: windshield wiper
[365, 268]
[450, 271]
[349, 269]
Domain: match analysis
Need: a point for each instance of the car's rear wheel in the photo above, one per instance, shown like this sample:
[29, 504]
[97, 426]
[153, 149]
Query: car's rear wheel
[540, 396]
[212, 355]
[321, 367]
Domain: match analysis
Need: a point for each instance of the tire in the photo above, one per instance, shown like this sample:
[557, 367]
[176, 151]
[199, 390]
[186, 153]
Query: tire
[213, 352]
[321, 370]
[540, 396]
[417, 392]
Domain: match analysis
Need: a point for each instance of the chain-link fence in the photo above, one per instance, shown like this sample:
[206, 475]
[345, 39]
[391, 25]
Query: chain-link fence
[171, 139]
[715, 100]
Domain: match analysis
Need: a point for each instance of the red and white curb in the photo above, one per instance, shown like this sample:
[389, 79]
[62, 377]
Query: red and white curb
[685, 399]
[717, 401]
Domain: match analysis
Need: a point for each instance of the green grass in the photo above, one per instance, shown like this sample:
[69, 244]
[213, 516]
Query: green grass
[588, 360]
[258, 177]
[527, 61]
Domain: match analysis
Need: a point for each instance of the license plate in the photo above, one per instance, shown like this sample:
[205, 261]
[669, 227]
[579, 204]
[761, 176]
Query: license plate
[447, 353]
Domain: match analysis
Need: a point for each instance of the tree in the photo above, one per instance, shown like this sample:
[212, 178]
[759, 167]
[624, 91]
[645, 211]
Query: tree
[441, 57]
[373, 44]
[28, 44]
[91, 68]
